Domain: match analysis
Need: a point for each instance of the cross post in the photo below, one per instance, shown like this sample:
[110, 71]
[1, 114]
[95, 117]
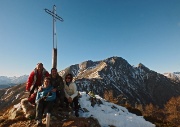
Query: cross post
[54, 51]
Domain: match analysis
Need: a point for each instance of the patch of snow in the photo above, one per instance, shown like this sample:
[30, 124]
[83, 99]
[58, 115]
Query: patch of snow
[17, 96]
[17, 106]
[7, 91]
[111, 114]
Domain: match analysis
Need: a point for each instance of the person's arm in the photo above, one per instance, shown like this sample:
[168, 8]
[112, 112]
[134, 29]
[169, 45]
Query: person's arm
[75, 91]
[66, 95]
[47, 74]
[51, 96]
[60, 84]
[37, 97]
[30, 81]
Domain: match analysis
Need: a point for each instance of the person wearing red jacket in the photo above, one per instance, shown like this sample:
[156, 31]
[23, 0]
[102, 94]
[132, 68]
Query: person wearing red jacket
[35, 80]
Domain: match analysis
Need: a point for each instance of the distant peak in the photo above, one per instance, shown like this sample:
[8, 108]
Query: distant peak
[176, 72]
[142, 66]
[114, 58]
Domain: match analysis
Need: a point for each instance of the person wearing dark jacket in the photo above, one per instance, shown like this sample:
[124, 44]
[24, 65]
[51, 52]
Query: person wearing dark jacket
[44, 100]
[58, 86]
[71, 93]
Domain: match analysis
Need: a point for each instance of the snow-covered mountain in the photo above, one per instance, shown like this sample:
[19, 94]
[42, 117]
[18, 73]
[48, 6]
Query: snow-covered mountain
[10, 81]
[138, 85]
[174, 76]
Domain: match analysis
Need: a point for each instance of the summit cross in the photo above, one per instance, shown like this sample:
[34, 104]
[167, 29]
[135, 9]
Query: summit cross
[55, 17]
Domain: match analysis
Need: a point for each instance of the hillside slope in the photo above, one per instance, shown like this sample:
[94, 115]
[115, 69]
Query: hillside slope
[101, 114]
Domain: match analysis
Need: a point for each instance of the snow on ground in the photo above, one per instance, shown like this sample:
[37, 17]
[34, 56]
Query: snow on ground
[111, 114]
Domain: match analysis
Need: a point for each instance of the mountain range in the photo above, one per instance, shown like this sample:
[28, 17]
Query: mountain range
[113, 79]
[11, 81]
[174, 76]
[116, 78]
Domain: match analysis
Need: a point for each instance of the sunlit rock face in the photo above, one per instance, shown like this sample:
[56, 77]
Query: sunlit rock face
[138, 85]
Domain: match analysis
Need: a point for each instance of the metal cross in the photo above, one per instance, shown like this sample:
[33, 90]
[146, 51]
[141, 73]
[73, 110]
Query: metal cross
[55, 17]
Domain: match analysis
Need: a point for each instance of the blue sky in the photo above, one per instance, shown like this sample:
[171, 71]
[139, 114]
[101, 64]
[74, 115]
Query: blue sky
[140, 31]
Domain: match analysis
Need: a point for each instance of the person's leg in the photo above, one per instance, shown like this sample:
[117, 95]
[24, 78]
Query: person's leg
[39, 111]
[56, 102]
[76, 106]
[66, 101]
[48, 107]
[62, 95]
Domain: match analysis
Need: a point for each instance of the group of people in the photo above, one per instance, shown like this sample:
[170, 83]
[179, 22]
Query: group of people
[48, 89]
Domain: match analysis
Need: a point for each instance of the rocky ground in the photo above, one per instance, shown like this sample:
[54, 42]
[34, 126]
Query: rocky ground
[16, 118]
[13, 115]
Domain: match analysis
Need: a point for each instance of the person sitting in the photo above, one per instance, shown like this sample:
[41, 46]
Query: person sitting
[35, 80]
[71, 93]
[44, 100]
[57, 82]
